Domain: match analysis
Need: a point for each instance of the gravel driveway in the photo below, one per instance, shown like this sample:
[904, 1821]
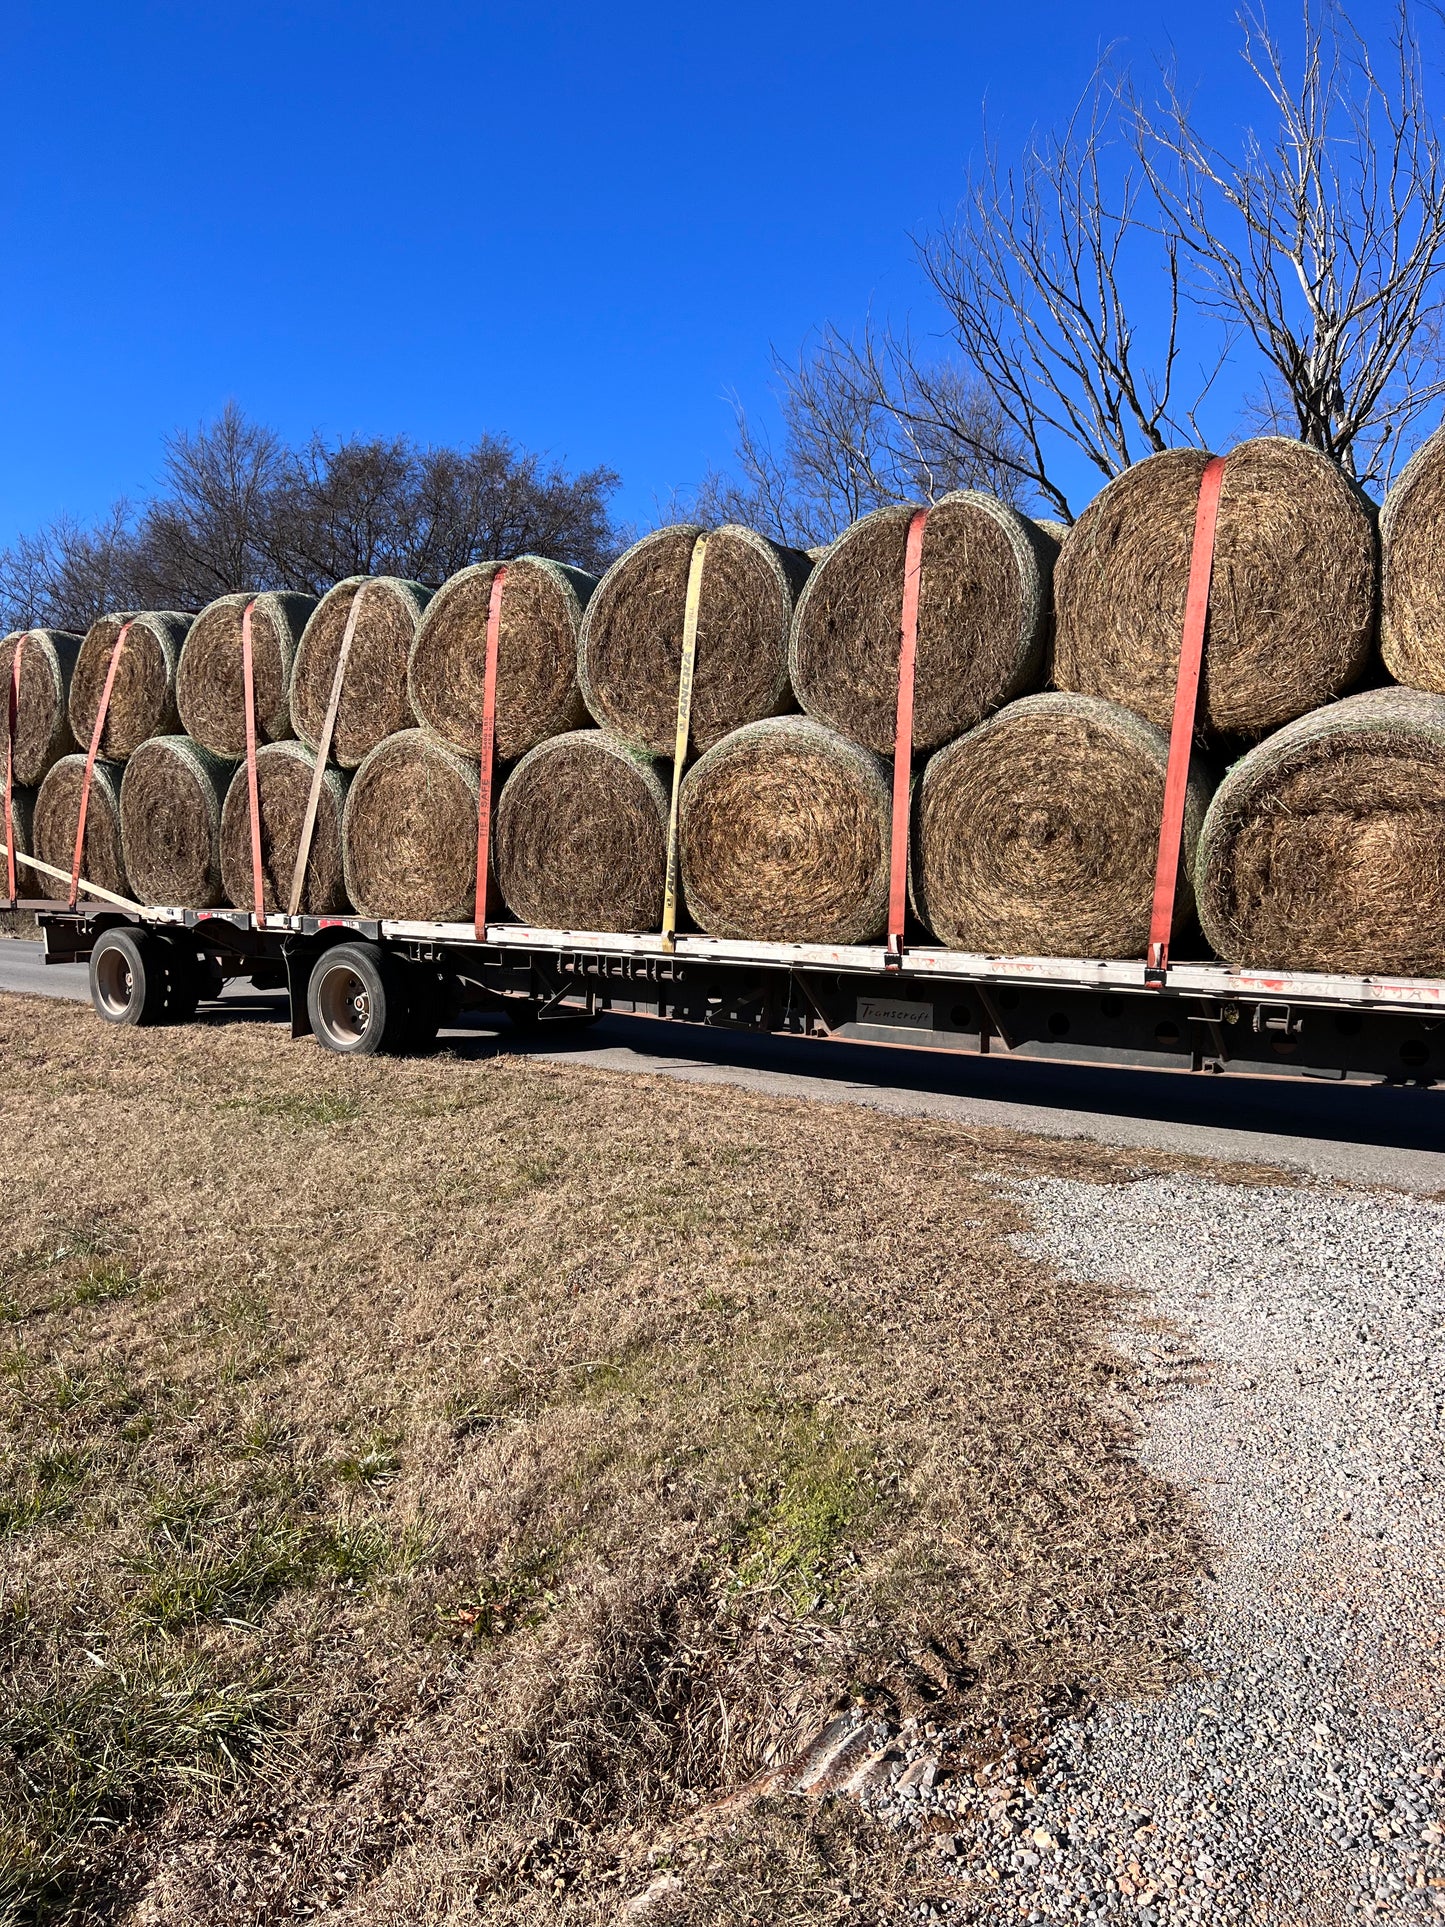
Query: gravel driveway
[1294, 1356]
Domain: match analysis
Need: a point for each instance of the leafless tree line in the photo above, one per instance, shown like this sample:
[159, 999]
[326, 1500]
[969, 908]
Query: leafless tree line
[239, 509]
[1115, 281]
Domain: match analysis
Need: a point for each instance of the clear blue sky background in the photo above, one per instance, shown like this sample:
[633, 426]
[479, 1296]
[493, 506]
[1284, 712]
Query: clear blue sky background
[580, 226]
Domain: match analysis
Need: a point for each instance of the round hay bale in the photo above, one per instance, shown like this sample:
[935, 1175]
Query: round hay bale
[409, 831]
[630, 653]
[983, 605]
[57, 811]
[537, 691]
[580, 836]
[1412, 586]
[283, 784]
[143, 699]
[783, 836]
[28, 882]
[1324, 847]
[374, 703]
[170, 822]
[210, 682]
[1037, 833]
[42, 720]
[1292, 601]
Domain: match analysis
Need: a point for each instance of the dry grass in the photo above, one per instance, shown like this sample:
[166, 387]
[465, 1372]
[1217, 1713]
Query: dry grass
[428, 1482]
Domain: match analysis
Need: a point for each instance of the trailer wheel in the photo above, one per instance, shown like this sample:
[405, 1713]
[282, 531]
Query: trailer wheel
[127, 978]
[355, 1001]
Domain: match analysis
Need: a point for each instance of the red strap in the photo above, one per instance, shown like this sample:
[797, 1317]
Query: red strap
[14, 718]
[117, 650]
[903, 738]
[1181, 735]
[489, 736]
[248, 677]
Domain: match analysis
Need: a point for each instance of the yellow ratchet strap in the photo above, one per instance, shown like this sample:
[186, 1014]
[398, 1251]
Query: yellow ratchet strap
[684, 726]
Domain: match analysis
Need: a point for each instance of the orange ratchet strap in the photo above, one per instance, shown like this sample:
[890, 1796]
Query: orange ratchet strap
[117, 651]
[14, 722]
[487, 757]
[248, 677]
[903, 741]
[1181, 734]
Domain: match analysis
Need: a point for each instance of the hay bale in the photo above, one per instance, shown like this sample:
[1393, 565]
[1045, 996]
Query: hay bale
[580, 835]
[283, 784]
[537, 690]
[210, 682]
[42, 722]
[57, 811]
[1324, 848]
[783, 835]
[143, 699]
[1412, 583]
[1292, 603]
[409, 831]
[983, 606]
[28, 882]
[1037, 833]
[374, 702]
[630, 653]
[170, 822]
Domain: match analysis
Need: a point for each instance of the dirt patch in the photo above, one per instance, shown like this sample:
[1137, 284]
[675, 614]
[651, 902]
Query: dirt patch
[429, 1482]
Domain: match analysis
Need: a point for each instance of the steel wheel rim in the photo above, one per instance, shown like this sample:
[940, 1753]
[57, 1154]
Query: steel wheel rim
[344, 1004]
[114, 982]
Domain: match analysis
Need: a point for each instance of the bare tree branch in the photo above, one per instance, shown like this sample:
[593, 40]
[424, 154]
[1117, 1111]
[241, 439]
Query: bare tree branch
[1324, 240]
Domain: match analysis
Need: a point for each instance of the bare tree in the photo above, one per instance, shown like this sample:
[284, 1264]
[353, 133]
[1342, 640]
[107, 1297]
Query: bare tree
[240, 510]
[864, 424]
[1321, 241]
[66, 575]
[206, 535]
[1036, 275]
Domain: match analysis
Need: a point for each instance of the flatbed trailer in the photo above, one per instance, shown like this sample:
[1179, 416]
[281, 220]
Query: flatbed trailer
[360, 985]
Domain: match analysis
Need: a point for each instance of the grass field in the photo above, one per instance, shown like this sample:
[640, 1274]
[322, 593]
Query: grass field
[427, 1484]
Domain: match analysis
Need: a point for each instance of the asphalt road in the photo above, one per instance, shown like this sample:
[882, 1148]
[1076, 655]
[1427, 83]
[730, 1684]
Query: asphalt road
[1364, 1134]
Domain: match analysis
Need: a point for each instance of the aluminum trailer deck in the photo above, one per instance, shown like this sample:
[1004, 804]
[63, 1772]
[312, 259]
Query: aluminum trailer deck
[360, 985]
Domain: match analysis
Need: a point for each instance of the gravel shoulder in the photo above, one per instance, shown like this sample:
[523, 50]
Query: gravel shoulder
[1290, 1353]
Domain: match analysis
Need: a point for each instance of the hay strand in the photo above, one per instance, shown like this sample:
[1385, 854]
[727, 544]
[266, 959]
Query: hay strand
[283, 783]
[537, 690]
[983, 607]
[630, 653]
[1292, 604]
[374, 700]
[143, 699]
[57, 812]
[1412, 589]
[42, 722]
[1037, 833]
[580, 838]
[170, 822]
[783, 835]
[409, 831]
[1324, 848]
[210, 687]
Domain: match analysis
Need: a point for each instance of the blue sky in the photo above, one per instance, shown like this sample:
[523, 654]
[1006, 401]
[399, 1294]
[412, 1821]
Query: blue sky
[579, 226]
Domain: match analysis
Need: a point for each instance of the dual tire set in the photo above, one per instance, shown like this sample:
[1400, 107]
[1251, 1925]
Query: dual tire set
[360, 999]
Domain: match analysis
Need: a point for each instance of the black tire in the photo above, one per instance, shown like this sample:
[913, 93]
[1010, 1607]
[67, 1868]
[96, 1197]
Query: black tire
[356, 1001]
[128, 978]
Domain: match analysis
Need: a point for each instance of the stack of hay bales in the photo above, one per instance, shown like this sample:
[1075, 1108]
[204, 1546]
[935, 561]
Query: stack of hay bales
[784, 832]
[142, 705]
[1045, 677]
[42, 729]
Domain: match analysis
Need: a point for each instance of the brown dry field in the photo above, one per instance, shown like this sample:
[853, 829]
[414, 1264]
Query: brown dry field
[428, 1484]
